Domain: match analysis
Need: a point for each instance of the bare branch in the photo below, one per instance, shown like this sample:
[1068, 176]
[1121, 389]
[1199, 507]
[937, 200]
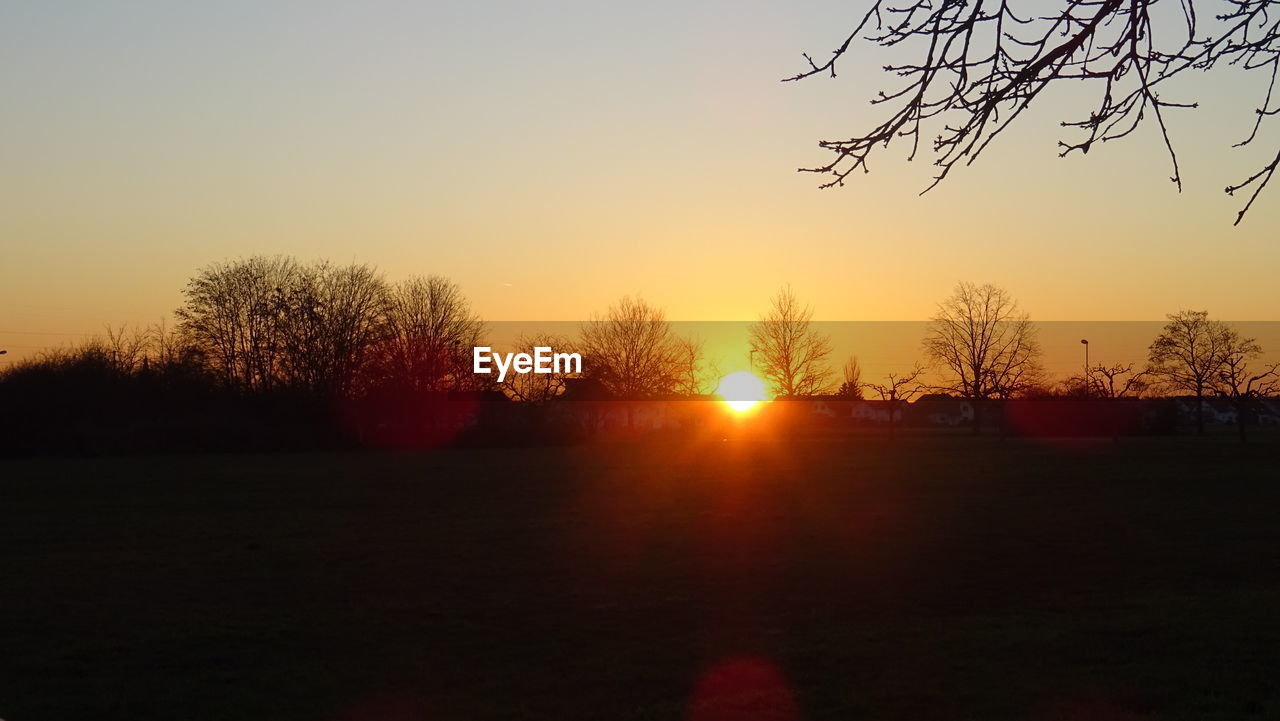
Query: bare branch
[981, 63]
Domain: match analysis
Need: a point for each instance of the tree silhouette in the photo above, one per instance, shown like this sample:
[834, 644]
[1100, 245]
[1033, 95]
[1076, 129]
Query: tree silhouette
[898, 390]
[985, 345]
[1240, 382]
[429, 330]
[1188, 355]
[1118, 380]
[978, 64]
[537, 387]
[631, 350]
[694, 375]
[790, 353]
[327, 321]
[852, 386]
[230, 316]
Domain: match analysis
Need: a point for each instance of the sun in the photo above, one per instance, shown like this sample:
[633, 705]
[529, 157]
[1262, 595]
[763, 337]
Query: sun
[741, 391]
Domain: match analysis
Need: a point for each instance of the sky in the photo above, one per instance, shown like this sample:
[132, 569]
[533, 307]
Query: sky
[551, 157]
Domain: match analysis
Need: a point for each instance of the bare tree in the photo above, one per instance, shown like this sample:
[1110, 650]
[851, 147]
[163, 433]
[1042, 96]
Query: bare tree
[631, 350]
[170, 349]
[985, 346]
[852, 387]
[1119, 380]
[229, 316]
[327, 320]
[978, 64]
[537, 387]
[790, 352]
[694, 375]
[129, 349]
[1188, 355]
[1110, 382]
[427, 338]
[265, 322]
[898, 390]
[139, 348]
[1237, 381]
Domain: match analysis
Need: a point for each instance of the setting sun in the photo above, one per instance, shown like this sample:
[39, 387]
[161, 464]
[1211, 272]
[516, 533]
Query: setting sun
[741, 391]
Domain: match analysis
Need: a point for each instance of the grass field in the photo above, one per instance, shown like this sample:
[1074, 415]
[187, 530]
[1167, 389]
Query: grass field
[815, 578]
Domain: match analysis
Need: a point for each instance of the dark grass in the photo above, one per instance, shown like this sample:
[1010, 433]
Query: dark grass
[933, 578]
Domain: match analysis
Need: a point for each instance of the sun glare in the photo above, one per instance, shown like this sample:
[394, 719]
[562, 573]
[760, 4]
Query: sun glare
[741, 391]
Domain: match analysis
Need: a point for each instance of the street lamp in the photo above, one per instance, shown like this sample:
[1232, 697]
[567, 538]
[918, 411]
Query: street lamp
[1085, 341]
[751, 361]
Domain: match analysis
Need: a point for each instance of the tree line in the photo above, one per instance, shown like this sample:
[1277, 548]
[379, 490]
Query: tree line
[264, 327]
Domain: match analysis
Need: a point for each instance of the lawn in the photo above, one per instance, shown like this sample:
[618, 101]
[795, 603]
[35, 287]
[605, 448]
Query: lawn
[820, 577]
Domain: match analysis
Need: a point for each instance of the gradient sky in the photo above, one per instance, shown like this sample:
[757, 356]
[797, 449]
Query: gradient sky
[551, 157]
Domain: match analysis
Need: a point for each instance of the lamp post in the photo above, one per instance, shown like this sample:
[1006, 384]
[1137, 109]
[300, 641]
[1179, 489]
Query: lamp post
[751, 361]
[1085, 341]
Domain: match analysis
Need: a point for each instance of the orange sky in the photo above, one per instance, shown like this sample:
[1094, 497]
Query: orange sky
[553, 158]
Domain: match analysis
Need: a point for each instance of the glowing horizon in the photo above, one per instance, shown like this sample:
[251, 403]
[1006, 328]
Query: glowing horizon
[139, 149]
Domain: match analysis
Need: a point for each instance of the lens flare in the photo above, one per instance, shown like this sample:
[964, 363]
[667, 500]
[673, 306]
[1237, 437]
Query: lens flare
[741, 391]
